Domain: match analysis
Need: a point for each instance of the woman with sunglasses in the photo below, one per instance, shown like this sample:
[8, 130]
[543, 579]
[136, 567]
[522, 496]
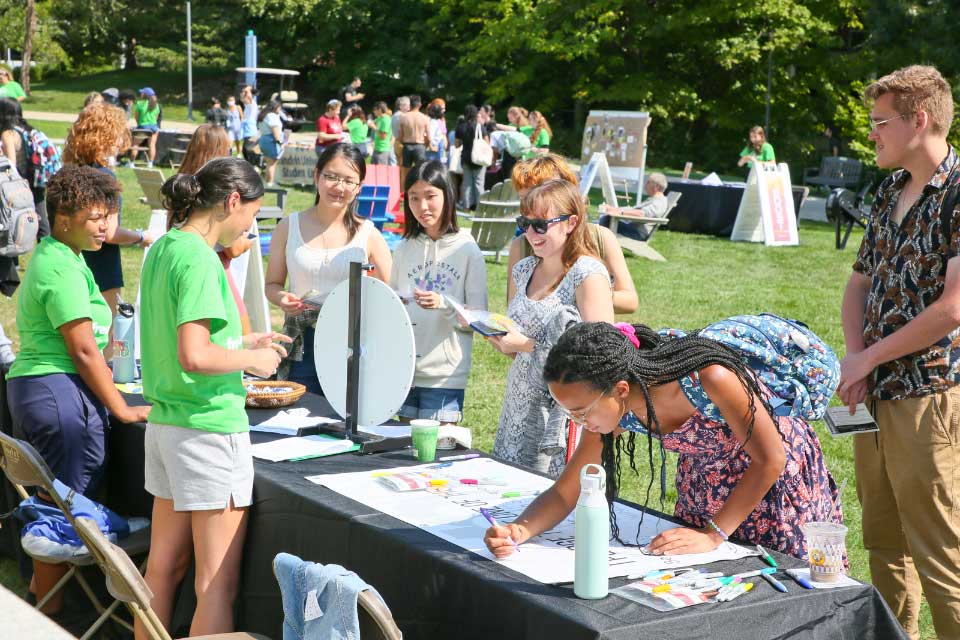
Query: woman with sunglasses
[741, 472]
[311, 252]
[561, 284]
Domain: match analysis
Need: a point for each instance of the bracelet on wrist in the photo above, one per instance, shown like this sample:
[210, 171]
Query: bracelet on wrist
[139, 233]
[713, 525]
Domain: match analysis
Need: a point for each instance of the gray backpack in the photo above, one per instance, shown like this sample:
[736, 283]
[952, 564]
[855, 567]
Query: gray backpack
[19, 221]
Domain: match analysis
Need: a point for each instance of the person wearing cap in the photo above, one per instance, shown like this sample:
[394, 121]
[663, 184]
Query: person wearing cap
[329, 127]
[149, 114]
[10, 88]
[111, 95]
[655, 206]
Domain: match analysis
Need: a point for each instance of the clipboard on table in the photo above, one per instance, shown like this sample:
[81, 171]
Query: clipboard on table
[841, 423]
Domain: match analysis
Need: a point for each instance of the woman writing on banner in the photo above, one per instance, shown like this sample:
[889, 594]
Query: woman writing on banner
[757, 150]
[562, 283]
[741, 473]
[311, 252]
[198, 464]
[59, 387]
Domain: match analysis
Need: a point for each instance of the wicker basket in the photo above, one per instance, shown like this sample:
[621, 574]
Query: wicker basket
[293, 392]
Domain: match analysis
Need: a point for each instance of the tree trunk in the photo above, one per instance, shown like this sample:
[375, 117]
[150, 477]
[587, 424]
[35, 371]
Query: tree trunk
[31, 28]
[130, 54]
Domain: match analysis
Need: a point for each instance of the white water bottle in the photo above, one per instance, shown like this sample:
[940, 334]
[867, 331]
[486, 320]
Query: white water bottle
[592, 535]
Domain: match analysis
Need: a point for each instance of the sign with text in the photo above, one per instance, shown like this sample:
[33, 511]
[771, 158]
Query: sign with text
[296, 165]
[766, 211]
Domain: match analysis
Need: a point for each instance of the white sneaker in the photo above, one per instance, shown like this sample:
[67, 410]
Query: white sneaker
[149, 164]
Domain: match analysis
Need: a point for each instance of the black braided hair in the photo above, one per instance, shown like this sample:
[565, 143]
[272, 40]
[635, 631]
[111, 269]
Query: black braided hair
[600, 355]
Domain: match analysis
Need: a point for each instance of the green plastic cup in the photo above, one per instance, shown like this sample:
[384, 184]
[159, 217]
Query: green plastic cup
[424, 435]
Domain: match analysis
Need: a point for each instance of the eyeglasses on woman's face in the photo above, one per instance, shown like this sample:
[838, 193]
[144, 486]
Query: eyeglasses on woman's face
[579, 418]
[540, 225]
[332, 180]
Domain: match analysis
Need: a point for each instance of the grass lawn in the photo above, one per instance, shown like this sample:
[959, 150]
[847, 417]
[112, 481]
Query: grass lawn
[703, 279]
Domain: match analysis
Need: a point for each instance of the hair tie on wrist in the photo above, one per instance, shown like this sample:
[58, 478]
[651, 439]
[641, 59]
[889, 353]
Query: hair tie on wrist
[628, 330]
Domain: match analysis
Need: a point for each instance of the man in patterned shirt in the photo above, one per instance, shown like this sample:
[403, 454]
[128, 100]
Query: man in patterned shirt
[901, 323]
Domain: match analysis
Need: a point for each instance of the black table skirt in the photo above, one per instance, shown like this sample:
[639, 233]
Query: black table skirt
[710, 209]
[438, 590]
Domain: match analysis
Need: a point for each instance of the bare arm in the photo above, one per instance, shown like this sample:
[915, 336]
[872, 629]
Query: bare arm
[594, 299]
[513, 257]
[93, 370]
[276, 276]
[625, 298]
[9, 140]
[197, 354]
[551, 506]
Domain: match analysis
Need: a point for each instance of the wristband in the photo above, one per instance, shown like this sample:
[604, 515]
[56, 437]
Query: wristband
[140, 232]
[713, 525]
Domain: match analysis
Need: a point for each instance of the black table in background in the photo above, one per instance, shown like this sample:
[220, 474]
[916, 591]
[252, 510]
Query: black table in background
[438, 590]
[710, 209]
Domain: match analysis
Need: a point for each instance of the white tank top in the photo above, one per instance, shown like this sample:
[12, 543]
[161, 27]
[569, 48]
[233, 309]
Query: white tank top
[321, 270]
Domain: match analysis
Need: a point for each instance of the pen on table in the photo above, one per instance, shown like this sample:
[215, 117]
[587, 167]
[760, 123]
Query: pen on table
[753, 574]
[799, 578]
[738, 591]
[520, 494]
[767, 557]
[493, 522]
[466, 456]
[776, 584]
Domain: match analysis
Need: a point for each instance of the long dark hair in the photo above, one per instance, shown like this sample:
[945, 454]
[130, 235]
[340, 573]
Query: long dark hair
[436, 175]
[353, 156]
[600, 355]
[208, 187]
[11, 115]
[271, 107]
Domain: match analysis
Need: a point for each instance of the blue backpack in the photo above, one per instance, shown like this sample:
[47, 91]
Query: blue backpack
[797, 366]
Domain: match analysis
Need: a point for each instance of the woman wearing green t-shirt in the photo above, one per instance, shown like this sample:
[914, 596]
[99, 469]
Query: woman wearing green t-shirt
[541, 133]
[356, 124]
[382, 134]
[197, 447]
[59, 388]
[10, 88]
[757, 150]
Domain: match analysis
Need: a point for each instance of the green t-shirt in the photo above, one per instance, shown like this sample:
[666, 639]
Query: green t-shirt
[12, 90]
[358, 131]
[527, 130]
[184, 281]
[384, 125]
[146, 115]
[51, 295]
[543, 139]
[765, 155]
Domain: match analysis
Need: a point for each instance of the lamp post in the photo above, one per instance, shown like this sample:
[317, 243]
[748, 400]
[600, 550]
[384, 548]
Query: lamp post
[190, 67]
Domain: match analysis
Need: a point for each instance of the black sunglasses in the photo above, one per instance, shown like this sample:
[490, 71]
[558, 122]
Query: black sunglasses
[539, 225]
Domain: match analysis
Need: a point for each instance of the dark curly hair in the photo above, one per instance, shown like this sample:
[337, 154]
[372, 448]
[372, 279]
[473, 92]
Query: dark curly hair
[74, 189]
[600, 355]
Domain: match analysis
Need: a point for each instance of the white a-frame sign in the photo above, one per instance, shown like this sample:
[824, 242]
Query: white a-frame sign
[766, 211]
[598, 167]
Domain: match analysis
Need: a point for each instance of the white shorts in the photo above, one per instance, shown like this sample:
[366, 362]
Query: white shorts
[198, 470]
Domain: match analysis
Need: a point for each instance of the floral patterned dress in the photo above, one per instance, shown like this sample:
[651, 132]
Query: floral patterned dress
[532, 430]
[712, 461]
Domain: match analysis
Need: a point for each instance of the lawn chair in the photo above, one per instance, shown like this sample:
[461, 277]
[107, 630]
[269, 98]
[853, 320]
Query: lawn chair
[372, 203]
[642, 248]
[384, 175]
[846, 210]
[150, 181]
[494, 223]
[127, 585]
[24, 467]
[140, 139]
[178, 149]
[835, 172]
[269, 216]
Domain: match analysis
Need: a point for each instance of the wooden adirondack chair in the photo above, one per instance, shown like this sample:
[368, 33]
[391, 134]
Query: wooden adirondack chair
[494, 223]
[642, 248]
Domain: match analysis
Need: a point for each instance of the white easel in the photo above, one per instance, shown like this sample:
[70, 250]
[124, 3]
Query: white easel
[766, 211]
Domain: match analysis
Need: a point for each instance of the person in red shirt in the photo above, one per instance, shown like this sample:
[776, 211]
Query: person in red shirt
[329, 127]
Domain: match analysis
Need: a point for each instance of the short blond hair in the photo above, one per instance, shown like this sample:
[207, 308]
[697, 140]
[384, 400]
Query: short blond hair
[917, 88]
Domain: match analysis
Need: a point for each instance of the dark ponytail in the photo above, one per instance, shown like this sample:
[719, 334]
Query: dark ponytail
[600, 355]
[353, 156]
[208, 187]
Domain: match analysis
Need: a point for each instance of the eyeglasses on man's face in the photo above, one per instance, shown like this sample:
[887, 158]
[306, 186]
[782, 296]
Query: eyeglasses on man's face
[876, 124]
[332, 179]
[539, 225]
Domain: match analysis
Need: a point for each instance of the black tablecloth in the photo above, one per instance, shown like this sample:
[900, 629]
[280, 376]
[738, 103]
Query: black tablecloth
[438, 590]
[710, 209]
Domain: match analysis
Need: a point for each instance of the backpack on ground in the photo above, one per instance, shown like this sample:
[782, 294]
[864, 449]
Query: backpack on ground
[797, 366]
[19, 221]
[43, 157]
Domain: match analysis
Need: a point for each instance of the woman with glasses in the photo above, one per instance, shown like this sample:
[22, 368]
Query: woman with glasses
[561, 284]
[741, 472]
[311, 252]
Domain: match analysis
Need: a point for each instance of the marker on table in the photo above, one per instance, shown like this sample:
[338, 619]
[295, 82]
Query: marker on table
[736, 592]
[767, 557]
[776, 584]
[520, 494]
[466, 456]
[799, 578]
[754, 574]
[493, 522]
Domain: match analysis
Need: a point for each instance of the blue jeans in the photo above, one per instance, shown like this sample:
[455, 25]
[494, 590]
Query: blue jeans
[445, 405]
[305, 371]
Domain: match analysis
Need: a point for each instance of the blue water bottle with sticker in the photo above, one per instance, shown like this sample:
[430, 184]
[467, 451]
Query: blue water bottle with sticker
[124, 335]
[592, 535]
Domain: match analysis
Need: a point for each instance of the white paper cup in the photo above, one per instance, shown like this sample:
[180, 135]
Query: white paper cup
[826, 547]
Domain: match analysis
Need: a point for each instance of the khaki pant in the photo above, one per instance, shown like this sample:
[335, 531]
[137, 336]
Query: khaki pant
[907, 482]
